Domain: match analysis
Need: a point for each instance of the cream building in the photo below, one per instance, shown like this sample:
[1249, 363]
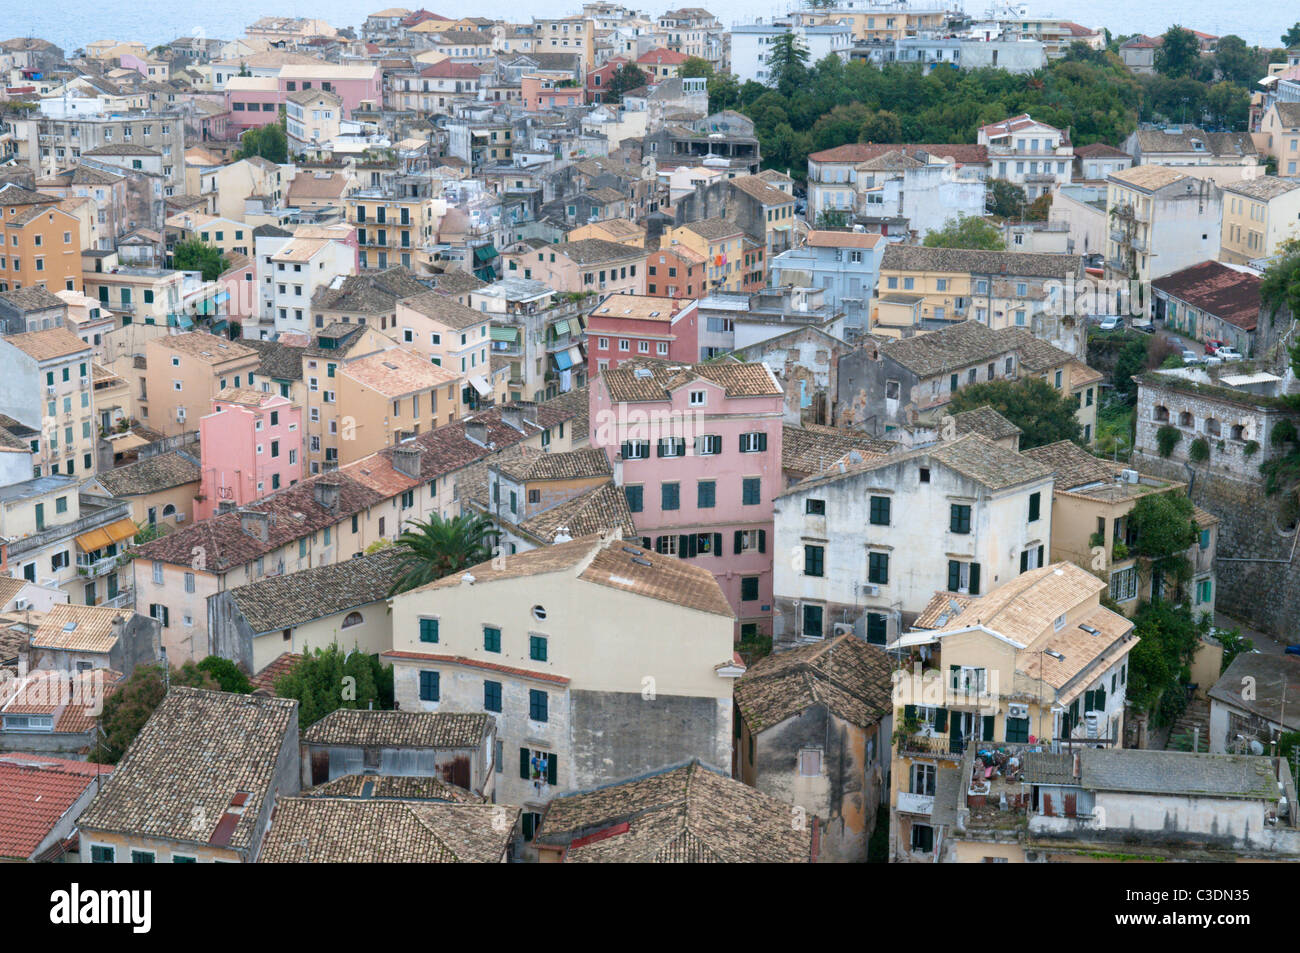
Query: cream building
[1258, 217]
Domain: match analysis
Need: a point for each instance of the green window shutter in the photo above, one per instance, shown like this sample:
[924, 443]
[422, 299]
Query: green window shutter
[954, 677]
[954, 575]
[987, 733]
[552, 768]
[762, 540]
[740, 541]
[1024, 561]
[523, 763]
[1035, 501]
[717, 544]
[941, 720]
[1100, 698]
[909, 712]
[974, 579]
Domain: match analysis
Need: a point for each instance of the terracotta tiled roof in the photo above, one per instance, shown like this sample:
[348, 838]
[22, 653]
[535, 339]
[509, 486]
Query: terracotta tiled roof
[207, 347]
[79, 628]
[688, 814]
[48, 692]
[47, 345]
[264, 681]
[811, 449]
[600, 510]
[1074, 466]
[36, 791]
[634, 381]
[532, 464]
[161, 472]
[444, 310]
[397, 372]
[394, 788]
[862, 151]
[850, 678]
[198, 751]
[974, 261]
[986, 422]
[399, 729]
[476, 663]
[1216, 289]
[829, 239]
[323, 830]
[281, 602]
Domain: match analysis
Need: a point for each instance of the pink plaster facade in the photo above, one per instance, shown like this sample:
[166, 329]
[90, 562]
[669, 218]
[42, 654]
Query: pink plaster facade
[733, 538]
[250, 445]
[612, 340]
[253, 108]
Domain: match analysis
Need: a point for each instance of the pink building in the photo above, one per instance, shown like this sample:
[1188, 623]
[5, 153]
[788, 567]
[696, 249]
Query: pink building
[360, 87]
[541, 91]
[251, 445]
[624, 326]
[253, 101]
[697, 450]
[237, 299]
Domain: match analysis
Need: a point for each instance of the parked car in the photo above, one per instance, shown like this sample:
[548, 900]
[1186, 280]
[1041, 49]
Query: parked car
[1212, 345]
[1111, 322]
[1292, 650]
[1191, 357]
[1229, 353]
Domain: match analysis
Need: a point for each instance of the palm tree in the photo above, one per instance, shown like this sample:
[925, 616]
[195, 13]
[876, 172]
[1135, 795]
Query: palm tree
[437, 547]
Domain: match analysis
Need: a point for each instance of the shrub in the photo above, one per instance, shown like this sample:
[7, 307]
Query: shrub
[1120, 551]
[1283, 432]
[1096, 539]
[1251, 448]
[1167, 438]
[1199, 451]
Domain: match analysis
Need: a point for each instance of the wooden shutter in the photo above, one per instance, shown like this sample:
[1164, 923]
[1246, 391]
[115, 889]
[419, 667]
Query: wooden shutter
[523, 763]
[1100, 697]
[974, 579]
[954, 575]
[1040, 556]
[683, 547]
[762, 441]
[987, 733]
[1024, 561]
[742, 443]
[626, 449]
[681, 446]
[909, 712]
[659, 449]
[740, 541]
[717, 544]
[552, 768]
[941, 720]
[762, 540]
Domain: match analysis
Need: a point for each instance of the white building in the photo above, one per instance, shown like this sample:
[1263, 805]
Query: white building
[311, 259]
[871, 540]
[1035, 156]
[751, 46]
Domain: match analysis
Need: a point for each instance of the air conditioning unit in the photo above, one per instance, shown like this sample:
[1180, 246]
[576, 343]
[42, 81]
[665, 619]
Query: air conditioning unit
[1017, 711]
[21, 604]
[871, 590]
[180, 415]
[1130, 476]
[842, 628]
[180, 517]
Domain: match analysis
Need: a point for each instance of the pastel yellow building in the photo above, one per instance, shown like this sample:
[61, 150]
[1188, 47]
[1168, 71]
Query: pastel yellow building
[1258, 216]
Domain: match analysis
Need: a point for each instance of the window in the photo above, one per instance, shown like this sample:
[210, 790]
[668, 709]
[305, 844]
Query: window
[537, 705]
[491, 696]
[708, 445]
[635, 498]
[814, 560]
[1017, 730]
[878, 568]
[102, 855]
[537, 648]
[967, 679]
[428, 630]
[922, 838]
[1031, 559]
[963, 577]
[698, 398]
[751, 491]
[959, 518]
[877, 628]
[636, 449]
[189, 582]
[812, 621]
[753, 442]
[670, 496]
[143, 857]
[748, 588]
[429, 687]
[810, 762]
[1035, 501]
[815, 507]
[491, 639]
[880, 511]
[923, 779]
[707, 494]
[925, 474]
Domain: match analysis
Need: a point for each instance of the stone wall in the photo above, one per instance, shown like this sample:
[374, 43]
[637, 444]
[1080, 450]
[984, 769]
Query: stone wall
[1263, 590]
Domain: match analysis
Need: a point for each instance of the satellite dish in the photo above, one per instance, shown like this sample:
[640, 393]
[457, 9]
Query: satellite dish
[1256, 747]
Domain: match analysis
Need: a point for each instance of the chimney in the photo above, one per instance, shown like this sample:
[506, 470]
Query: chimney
[406, 460]
[519, 413]
[477, 431]
[225, 506]
[256, 524]
[326, 493]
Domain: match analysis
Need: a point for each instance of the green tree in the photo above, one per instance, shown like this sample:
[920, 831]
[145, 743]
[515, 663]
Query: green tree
[1032, 404]
[128, 708]
[437, 547]
[194, 255]
[694, 67]
[1006, 199]
[269, 141]
[1168, 638]
[1227, 104]
[1291, 38]
[832, 218]
[1234, 644]
[1238, 63]
[1179, 54]
[881, 126]
[787, 63]
[227, 674]
[1164, 527]
[330, 679]
[966, 232]
[626, 77]
[1132, 360]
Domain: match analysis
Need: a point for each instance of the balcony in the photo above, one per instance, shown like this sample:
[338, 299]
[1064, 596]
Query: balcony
[98, 567]
[123, 600]
[1118, 235]
[943, 746]
[1138, 244]
[915, 803]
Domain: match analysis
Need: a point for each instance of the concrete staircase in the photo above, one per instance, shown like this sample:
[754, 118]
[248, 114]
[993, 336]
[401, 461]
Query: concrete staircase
[1196, 716]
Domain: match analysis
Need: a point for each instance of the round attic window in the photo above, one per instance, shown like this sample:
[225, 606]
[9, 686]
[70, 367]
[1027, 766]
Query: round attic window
[539, 613]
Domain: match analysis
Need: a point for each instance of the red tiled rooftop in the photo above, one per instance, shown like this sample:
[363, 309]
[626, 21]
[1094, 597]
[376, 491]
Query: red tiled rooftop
[35, 792]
